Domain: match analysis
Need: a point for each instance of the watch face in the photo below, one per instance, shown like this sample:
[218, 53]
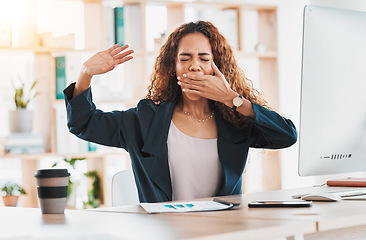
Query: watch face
[238, 101]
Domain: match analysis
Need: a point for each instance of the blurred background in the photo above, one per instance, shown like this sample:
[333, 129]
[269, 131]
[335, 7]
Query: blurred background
[43, 44]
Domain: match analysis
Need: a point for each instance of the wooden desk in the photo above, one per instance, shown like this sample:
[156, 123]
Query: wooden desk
[345, 219]
[333, 220]
[29, 223]
[330, 220]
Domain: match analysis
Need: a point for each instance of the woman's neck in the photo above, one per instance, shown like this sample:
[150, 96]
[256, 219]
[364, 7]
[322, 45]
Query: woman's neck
[199, 108]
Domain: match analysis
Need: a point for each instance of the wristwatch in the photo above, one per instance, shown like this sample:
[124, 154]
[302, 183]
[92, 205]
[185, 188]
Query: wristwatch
[237, 102]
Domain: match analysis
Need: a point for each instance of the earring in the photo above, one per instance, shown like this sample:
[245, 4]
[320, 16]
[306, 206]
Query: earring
[173, 74]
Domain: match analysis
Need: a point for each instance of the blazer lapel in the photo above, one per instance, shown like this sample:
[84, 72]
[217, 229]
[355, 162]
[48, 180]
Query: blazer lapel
[159, 128]
[232, 152]
[156, 145]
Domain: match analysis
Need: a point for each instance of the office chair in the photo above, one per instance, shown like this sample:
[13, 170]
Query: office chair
[124, 191]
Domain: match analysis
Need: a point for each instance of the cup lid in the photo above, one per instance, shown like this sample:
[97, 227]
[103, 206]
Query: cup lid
[51, 173]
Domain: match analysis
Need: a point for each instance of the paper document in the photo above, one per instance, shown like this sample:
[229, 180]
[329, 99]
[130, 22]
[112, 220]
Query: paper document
[193, 206]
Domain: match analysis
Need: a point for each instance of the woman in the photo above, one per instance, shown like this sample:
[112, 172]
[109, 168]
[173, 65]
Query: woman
[190, 137]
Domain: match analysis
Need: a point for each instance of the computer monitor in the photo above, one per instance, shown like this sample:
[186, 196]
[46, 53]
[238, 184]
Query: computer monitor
[332, 133]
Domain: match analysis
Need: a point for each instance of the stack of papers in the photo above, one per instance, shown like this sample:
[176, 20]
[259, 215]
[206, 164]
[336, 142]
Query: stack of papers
[21, 143]
[178, 207]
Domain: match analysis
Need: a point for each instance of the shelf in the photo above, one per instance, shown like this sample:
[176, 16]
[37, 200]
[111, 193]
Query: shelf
[46, 50]
[126, 102]
[242, 54]
[37, 156]
[221, 5]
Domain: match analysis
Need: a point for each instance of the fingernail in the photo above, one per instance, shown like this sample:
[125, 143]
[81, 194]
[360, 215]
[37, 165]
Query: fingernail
[179, 83]
[178, 78]
[184, 75]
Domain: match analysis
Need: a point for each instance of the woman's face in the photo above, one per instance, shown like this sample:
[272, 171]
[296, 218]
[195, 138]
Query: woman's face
[194, 55]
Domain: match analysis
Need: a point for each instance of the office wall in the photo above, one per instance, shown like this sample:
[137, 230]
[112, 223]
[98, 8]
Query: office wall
[290, 51]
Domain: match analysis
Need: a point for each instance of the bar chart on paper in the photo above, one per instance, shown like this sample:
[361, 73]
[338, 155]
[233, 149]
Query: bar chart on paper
[193, 206]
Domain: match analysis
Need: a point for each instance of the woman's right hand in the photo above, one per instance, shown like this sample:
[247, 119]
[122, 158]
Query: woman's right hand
[107, 60]
[99, 63]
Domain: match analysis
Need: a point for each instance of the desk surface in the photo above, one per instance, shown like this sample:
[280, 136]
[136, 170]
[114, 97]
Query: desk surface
[244, 223]
[326, 215]
[29, 223]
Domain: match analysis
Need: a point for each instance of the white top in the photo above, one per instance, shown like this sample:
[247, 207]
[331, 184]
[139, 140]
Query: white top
[194, 165]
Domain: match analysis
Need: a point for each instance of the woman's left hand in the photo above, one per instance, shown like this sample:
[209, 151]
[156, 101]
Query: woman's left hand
[214, 87]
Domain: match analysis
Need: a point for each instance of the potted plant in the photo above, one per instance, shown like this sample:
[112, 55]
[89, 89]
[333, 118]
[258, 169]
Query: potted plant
[21, 119]
[94, 194]
[10, 193]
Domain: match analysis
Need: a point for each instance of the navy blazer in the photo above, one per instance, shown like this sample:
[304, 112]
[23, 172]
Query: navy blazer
[143, 132]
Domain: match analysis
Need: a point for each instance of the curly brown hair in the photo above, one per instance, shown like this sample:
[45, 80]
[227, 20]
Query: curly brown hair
[164, 85]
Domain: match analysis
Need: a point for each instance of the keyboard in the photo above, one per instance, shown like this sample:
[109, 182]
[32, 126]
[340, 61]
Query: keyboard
[342, 193]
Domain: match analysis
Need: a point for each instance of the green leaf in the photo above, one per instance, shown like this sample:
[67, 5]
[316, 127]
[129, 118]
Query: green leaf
[12, 189]
[34, 84]
[72, 161]
[22, 97]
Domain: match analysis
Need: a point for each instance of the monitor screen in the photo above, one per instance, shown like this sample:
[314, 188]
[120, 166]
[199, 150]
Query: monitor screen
[332, 133]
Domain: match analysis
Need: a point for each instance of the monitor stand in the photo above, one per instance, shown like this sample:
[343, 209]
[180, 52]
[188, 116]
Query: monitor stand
[347, 182]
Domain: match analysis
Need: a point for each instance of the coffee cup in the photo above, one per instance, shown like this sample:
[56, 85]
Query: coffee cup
[52, 185]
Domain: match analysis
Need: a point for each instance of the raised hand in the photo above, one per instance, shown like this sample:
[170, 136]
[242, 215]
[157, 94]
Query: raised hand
[214, 87]
[107, 60]
[99, 63]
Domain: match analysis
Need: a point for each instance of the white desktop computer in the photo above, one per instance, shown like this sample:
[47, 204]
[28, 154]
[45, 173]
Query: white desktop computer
[332, 133]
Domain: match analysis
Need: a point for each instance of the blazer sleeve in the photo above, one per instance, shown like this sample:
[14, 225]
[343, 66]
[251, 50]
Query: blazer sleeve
[271, 130]
[91, 124]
